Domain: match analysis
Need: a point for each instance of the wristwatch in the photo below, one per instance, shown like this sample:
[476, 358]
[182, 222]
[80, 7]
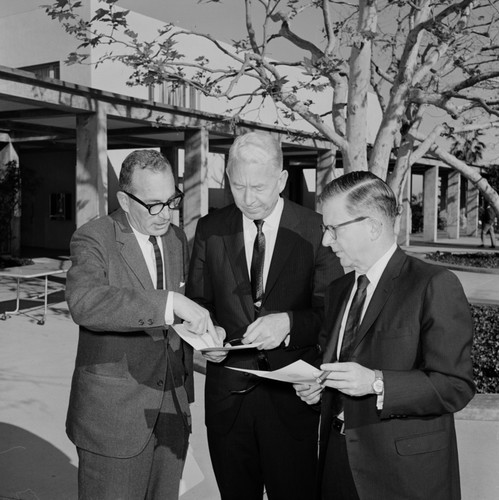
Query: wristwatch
[378, 385]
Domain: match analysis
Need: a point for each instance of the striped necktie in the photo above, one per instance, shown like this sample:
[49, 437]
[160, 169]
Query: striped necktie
[353, 319]
[257, 261]
[159, 263]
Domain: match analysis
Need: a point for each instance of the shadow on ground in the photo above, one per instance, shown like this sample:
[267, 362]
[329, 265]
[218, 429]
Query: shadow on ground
[32, 468]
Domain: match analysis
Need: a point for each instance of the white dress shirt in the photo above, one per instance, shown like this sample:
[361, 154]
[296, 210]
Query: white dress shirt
[150, 259]
[270, 229]
[373, 275]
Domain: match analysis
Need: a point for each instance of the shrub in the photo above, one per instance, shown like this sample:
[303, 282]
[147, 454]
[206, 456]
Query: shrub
[488, 260]
[485, 350]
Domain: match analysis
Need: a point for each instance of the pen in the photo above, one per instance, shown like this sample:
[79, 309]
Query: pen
[323, 376]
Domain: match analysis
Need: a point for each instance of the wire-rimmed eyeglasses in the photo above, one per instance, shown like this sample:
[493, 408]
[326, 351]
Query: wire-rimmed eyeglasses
[156, 208]
[332, 229]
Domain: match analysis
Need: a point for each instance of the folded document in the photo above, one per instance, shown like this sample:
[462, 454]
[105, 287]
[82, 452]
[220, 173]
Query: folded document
[299, 372]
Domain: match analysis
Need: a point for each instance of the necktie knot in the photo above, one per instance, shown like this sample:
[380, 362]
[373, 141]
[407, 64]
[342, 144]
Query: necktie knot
[259, 225]
[362, 282]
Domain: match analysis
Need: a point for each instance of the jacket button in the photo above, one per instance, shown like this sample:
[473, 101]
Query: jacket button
[149, 321]
[159, 383]
[141, 322]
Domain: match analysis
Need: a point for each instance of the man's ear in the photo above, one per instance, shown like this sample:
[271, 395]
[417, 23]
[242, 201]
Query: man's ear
[283, 177]
[123, 200]
[375, 228]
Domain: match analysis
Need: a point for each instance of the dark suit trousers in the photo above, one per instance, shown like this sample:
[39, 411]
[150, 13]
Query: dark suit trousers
[259, 452]
[337, 480]
[153, 474]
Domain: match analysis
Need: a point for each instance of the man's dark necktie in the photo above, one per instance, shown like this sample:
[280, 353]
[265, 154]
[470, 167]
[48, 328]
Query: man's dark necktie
[353, 320]
[351, 327]
[257, 265]
[159, 263]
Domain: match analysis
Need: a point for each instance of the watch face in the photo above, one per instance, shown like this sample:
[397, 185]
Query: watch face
[378, 386]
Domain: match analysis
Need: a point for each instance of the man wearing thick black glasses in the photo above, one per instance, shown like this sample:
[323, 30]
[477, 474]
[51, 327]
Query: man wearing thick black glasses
[129, 405]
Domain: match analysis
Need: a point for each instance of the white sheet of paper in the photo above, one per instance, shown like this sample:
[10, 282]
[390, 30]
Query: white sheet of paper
[298, 372]
[205, 342]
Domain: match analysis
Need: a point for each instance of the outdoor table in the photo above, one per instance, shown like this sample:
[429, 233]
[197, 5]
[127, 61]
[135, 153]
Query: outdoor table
[42, 268]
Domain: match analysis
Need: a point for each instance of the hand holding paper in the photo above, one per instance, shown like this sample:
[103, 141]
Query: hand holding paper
[205, 343]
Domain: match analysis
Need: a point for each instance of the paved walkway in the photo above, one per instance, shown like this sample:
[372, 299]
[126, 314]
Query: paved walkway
[481, 286]
[37, 461]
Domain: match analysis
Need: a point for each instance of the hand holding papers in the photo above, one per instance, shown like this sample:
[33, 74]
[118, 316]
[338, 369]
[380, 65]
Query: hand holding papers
[205, 343]
[299, 372]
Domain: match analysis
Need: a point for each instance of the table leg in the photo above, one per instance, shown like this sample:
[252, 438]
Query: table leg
[42, 321]
[6, 314]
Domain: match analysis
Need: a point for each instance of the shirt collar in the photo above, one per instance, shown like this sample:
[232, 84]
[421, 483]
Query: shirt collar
[376, 270]
[141, 237]
[272, 221]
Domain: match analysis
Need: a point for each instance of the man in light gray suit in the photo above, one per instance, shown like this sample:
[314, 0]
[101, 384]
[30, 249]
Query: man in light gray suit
[129, 405]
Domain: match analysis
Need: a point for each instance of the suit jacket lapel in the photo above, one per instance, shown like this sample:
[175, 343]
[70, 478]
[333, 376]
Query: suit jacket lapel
[337, 307]
[284, 245]
[130, 249]
[381, 294]
[236, 254]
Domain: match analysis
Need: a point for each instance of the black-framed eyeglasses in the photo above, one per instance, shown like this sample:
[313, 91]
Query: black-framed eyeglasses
[156, 208]
[332, 229]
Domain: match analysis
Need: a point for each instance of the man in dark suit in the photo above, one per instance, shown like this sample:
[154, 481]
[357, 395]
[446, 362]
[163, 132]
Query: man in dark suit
[129, 405]
[263, 282]
[397, 340]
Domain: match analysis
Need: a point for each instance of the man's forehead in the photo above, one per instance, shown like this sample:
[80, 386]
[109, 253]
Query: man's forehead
[154, 183]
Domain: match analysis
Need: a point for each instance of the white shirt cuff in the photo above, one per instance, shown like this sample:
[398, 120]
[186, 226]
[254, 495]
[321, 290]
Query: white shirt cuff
[169, 315]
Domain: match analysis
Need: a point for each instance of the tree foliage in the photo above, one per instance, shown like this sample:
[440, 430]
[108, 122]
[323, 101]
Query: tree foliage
[421, 58]
[10, 188]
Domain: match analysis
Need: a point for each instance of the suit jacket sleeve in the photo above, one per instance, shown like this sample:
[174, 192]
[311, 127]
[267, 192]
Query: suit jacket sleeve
[199, 285]
[443, 382]
[304, 321]
[100, 290]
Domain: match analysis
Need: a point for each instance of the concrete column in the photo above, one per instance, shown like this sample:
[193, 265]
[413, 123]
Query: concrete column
[453, 204]
[405, 221]
[91, 166]
[472, 205]
[195, 179]
[228, 198]
[430, 204]
[171, 154]
[326, 162]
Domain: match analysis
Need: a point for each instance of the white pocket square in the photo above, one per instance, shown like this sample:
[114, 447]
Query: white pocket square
[182, 283]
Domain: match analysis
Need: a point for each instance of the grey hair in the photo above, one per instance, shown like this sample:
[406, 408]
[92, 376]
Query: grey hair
[141, 159]
[255, 147]
[365, 194]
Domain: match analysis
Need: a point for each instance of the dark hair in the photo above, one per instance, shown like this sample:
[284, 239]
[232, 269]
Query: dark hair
[141, 159]
[366, 194]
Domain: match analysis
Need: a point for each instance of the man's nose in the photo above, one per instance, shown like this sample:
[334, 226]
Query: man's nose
[248, 196]
[165, 214]
[327, 239]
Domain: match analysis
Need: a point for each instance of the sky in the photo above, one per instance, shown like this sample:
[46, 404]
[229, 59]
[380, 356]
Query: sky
[224, 19]
[217, 18]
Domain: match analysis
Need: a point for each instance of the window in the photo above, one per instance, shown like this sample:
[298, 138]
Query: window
[175, 94]
[48, 70]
